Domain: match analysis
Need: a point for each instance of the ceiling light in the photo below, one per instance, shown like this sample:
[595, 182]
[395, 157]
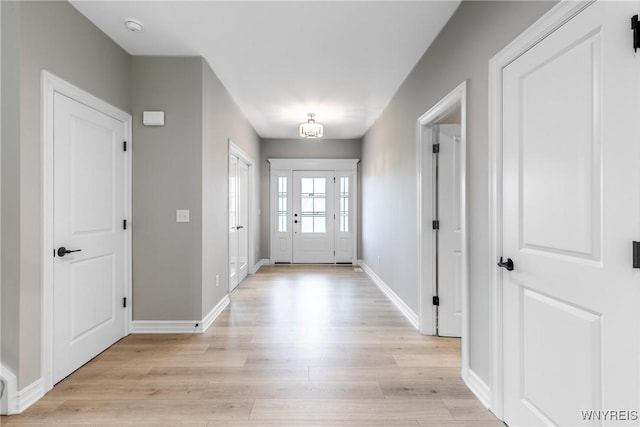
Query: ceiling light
[311, 129]
[133, 25]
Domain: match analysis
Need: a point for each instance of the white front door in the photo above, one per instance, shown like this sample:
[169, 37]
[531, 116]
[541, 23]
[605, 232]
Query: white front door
[238, 221]
[313, 217]
[571, 209]
[89, 209]
[449, 205]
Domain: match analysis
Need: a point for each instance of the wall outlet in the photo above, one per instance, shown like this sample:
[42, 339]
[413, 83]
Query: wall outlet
[217, 280]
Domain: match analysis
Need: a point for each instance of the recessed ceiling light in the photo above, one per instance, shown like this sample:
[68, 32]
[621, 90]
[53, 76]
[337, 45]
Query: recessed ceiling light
[133, 25]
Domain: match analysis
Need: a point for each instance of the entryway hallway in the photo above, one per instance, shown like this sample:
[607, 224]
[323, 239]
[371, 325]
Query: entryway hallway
[298, 346]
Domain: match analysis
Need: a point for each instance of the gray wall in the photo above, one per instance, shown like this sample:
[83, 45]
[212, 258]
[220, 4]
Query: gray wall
[475, 33]
[167, 175]
[56, 37]
[222, 120]
[292, 149]
[182, 165]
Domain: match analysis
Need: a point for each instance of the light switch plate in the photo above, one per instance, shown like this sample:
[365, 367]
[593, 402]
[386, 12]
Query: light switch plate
[182, 215]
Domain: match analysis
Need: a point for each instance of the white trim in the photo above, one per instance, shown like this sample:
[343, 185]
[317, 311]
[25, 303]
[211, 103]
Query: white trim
[411, 315]
[478, 387]
[314, 164]
[29, 395]
[9, 402]
[259, 264]
[214, 313]
[50, 84]
[426, 241]
[551, 21]
[180, 326]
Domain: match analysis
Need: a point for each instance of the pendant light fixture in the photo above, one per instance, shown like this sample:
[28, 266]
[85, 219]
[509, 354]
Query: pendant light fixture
[311, 129]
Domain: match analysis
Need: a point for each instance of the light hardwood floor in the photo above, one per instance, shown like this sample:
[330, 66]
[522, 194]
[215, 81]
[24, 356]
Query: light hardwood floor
[299, 346]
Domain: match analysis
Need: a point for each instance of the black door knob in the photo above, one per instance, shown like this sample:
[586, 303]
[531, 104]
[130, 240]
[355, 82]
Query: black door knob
[508, 264]
[62, 251]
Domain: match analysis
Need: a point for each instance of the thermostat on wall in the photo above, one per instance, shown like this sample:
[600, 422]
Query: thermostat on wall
[153, 118]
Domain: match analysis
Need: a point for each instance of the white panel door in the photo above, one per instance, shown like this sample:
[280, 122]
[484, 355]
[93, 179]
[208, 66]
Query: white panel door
[313, 216]
[89, 209]
[238, 221]
[450, 232]
[571, 208]
[233, 223]
[243, 220]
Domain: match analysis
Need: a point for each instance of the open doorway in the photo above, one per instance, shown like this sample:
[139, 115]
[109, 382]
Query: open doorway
[442, 220]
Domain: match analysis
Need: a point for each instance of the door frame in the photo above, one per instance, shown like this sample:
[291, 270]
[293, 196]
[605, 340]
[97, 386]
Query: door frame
[235, 150]
[311, 164]
[548, 23]
[51, 84]
[426, 204]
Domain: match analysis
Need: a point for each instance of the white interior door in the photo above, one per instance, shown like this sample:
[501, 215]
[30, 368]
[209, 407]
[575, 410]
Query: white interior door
[313, 216]
[571, 208]
[89, 209]
[238, 221]
[449, 257]
[243, 220]
[233, 223]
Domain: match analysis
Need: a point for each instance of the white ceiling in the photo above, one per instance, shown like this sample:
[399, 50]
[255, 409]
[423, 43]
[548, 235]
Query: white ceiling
[280, 60]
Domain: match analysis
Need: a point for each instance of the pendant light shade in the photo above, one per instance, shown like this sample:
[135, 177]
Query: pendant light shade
[311, 129]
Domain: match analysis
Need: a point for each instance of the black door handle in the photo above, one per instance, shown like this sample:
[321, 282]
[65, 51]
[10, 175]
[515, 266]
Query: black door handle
[508, 264]
[62, 251]
[239, 227]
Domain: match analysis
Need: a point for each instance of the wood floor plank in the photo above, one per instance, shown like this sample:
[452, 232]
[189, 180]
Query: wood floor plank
[299, 346]
[349, 409]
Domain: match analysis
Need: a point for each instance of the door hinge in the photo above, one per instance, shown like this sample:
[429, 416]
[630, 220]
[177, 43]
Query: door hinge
[436, 224]
[124, 224]
[124, 302]
[436, 300]
[636, 254]
[635, 27]
[436, 148]
[334, 179]
[124, 145]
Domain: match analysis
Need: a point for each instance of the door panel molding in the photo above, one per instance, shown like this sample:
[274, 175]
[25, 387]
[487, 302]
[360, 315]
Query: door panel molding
[50, 86]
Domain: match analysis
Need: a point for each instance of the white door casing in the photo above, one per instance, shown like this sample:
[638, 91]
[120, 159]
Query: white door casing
[86, 200]
[450, 231]
[570, 210]
[456, 99]
[344, 228]
[313, 217]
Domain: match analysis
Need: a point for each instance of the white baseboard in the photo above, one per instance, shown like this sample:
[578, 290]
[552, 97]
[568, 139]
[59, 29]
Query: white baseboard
[179, 326]
[28, 396]
[9, 399]
[259, 264]
[478, 387]
[411, 316]
[215, 312]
